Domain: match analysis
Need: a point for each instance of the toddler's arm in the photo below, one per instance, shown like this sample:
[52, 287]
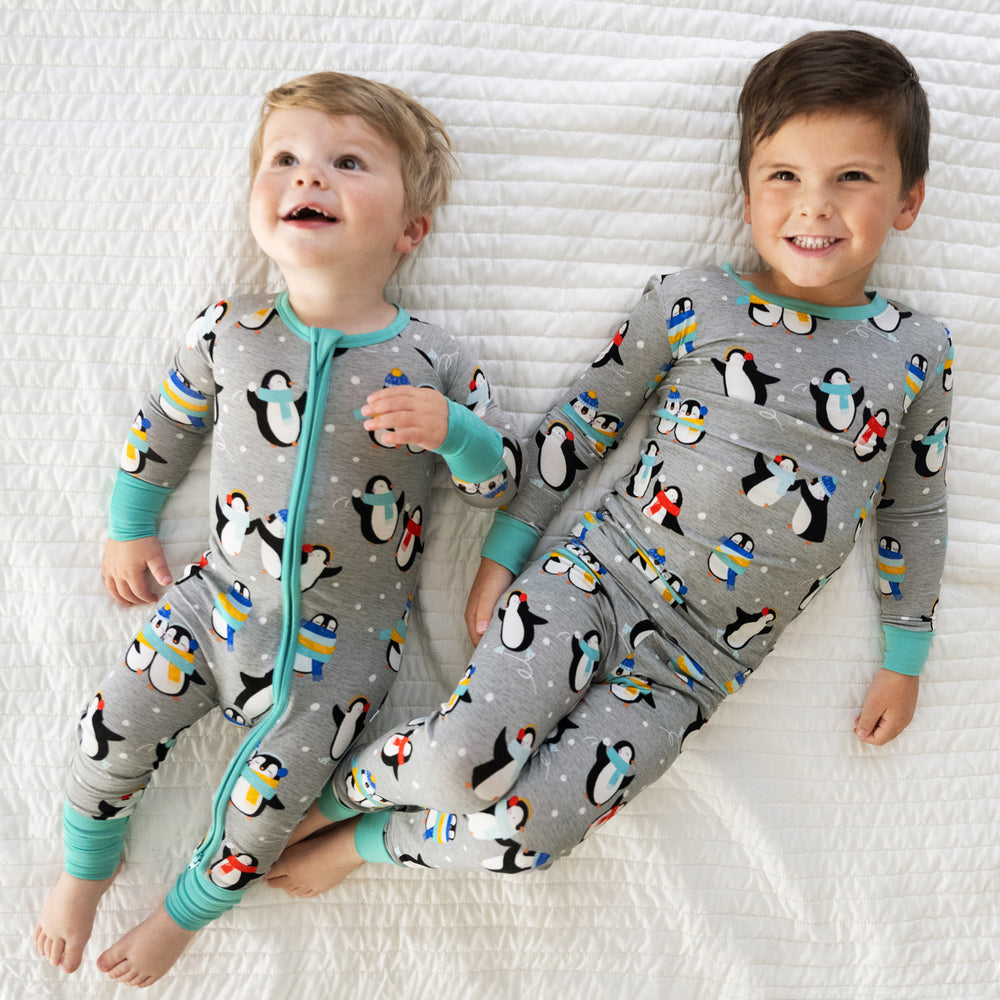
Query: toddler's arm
[124, 569]
[888, 707]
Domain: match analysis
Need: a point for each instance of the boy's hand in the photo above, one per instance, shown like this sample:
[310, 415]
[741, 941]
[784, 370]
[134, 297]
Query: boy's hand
[124, 570]
[408, 415]
[888, 707]
[491, 581]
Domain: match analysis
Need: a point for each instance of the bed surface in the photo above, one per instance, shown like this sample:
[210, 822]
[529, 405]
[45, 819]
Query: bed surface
[779, 858]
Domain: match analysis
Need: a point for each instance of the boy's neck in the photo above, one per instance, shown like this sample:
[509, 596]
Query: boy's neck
[351, 310]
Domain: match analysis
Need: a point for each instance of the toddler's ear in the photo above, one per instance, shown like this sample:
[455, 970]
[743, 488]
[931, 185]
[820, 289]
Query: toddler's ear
[910, 206]
[414, 234]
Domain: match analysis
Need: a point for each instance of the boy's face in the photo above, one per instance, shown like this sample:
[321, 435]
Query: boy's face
[822, 194]
[329, 194]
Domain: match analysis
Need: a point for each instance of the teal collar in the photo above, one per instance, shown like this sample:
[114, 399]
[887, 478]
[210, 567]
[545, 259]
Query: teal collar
[311, 333]
[875, 307]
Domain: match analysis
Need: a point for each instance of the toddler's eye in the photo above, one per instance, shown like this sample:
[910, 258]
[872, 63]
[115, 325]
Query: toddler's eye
[349, 163]
[285, 160]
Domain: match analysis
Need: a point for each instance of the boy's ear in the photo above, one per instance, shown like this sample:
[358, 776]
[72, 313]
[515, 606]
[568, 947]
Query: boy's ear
[910, 206]
[746, 205]
[414, 233]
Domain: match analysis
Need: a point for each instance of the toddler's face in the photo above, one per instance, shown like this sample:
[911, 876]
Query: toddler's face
[822, 194]
[328, 191]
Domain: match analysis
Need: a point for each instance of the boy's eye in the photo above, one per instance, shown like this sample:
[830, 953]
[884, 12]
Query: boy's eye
[285, 160]
[348, 163]
[783, 175]
[855, 175]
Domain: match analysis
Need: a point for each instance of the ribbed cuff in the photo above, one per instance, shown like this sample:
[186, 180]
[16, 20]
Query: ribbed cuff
[510, 542]
[93, 847]
[906, 651]
[135, 506]
[472, 449]
[369, 837]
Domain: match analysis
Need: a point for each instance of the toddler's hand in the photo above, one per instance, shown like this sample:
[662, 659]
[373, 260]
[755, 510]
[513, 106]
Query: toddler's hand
[124, 570]
[490, 583]
[888, 707]
[408, 415]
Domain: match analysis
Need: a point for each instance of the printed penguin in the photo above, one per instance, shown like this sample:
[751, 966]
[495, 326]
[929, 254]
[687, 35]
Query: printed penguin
[256, 788]
[836, 405]
[272, 530]
[378, 507]
[605, 816]
[682, 327]
[516, 858]
[558, 463]
[394, 378]
[461, 692]
[690, 428]
[233, 870]
[741, 378]
[930, 449]
[586, 655]
[668, 412]
[203, 327]
[647, 469]
[889, 319]
[136, 451]
[870, 440]
[410, 544]
[164, 651]
[612, 350]
[810, 517]
[502, 820]
[253, 701]
[315, 566]
[609, 774]
[232, 521]
[182, 402]
[194, 569]
[891, 568]
[230, 612]
[95, 737]
[278, 412]
[316, 645]
[440, 827]
[630, 687]
[770, 480]
[348, 725]
[493, 777]
[584, 577]
[916, 375]
[518, 623]
[665, 506]
[764, 313]
[730, 558]
[478, 399]
[748, 626]
[396, 751]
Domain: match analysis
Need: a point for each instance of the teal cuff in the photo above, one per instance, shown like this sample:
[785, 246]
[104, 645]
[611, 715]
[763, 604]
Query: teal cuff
[331, 807]
[509, 542]
[369, 837]
[193, 902]
[906, 651]
[93, 847]
[135, 506]
[472, 449]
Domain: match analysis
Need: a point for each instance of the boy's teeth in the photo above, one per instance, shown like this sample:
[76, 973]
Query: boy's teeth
[813, 242]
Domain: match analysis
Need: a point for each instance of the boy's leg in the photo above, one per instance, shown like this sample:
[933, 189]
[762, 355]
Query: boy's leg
[126, 730]
[546, 643]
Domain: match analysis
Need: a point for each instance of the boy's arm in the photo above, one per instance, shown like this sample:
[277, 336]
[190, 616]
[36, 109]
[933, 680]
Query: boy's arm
[124, 567]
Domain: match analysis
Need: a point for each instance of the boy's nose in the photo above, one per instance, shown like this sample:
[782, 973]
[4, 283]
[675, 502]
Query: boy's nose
[816, 203]
[308, 176]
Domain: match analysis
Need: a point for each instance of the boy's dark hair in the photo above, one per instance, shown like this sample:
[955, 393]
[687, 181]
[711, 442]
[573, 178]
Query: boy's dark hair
[837, 71]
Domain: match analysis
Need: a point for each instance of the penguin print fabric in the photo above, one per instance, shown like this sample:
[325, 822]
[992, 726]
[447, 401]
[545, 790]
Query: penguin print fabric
[776, 429]
[296, 614]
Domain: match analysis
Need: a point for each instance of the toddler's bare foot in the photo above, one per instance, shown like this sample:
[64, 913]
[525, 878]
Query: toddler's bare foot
[312, 866]
[67, 920]
[147, 951]
[312, 822]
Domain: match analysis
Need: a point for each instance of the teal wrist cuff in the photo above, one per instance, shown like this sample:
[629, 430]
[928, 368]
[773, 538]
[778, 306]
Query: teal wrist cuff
[369, 837]
[472, 449]
[906, 651]
[509, 542]
[135, 506]
[93, 847]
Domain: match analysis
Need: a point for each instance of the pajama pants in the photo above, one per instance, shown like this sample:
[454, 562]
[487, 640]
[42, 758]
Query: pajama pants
[574, 701]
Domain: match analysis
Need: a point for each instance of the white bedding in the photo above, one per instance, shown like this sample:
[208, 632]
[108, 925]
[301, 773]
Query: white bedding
[779, 858]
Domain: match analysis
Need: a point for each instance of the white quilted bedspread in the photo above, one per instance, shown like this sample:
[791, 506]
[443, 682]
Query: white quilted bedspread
[780, 858]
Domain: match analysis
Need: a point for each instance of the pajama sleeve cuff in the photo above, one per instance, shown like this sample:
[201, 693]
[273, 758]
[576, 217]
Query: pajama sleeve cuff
[510, 542]
[905, 650]
[135, 506]
[472, 449]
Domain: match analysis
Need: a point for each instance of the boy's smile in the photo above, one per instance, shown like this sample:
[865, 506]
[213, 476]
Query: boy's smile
[822, 194]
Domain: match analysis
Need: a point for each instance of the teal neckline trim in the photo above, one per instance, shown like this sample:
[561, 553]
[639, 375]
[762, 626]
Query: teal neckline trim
[309, 333]
[875, 307]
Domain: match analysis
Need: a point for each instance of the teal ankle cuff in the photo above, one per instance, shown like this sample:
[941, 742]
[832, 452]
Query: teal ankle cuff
[93, 847]
[193, 901]
[331, 807]
[369, 837]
